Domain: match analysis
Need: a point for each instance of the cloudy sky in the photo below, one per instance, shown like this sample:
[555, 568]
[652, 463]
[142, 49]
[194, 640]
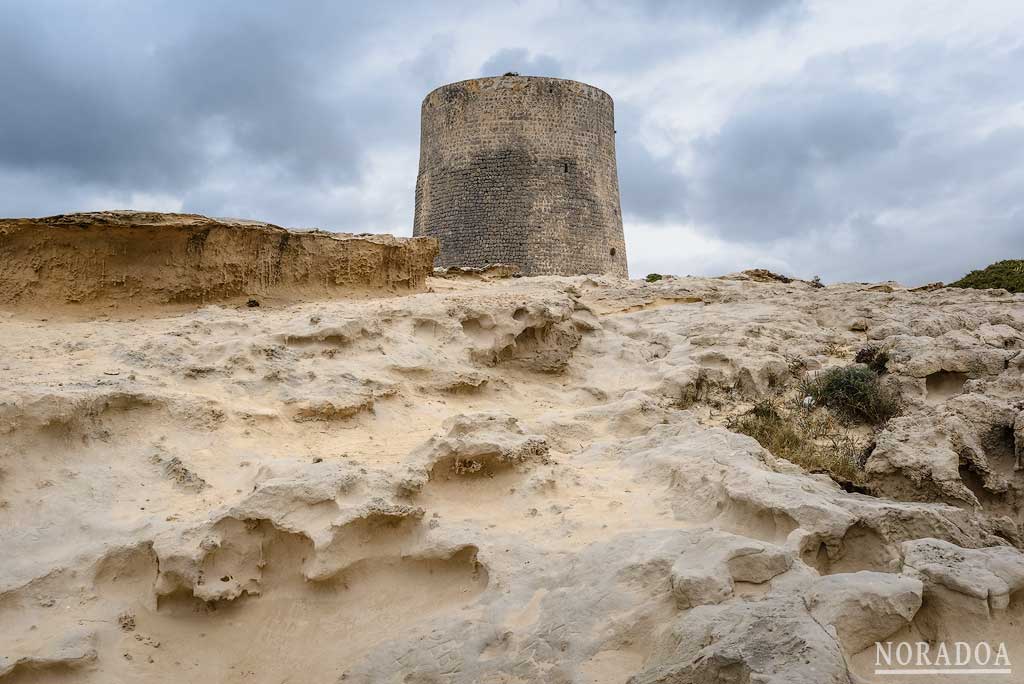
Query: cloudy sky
[861, 140]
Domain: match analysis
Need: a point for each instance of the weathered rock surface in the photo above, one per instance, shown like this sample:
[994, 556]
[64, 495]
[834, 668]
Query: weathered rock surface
[136, 258]
[500, 480]
[864, 607]
[707, 571]
[989, 575]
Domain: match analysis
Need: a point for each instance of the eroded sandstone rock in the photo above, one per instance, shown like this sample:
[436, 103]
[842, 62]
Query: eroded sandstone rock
[502, 480]
[149, 258]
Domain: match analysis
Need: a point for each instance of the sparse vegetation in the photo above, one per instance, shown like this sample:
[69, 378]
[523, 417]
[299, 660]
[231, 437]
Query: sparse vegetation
[820, 423]
[854, 393]
[703, 391]
[1008, 275]
[814, 440]
[766, 424]
[653, 277]
[797, 364]
[837, 349]
[874, 358]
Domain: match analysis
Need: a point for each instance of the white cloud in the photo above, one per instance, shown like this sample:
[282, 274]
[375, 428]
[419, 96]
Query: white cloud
[679, 249]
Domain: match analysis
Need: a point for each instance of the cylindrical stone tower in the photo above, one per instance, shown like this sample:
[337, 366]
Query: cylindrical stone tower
[521, 170]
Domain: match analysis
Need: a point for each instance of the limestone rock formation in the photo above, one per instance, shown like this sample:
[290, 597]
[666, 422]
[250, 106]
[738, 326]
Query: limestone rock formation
[504, 480]
[864, 607]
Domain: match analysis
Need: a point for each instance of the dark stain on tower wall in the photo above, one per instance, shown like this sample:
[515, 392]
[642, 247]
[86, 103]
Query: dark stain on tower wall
[521, 170]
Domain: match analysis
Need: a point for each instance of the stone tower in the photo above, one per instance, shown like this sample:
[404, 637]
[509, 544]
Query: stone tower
[521, 170]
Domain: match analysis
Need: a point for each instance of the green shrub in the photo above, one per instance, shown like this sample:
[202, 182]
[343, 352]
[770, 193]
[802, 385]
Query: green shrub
[653, 277]
[854, 393]
[1008, 275]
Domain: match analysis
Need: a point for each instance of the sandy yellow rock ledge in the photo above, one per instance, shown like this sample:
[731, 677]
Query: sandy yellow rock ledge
[153, 258]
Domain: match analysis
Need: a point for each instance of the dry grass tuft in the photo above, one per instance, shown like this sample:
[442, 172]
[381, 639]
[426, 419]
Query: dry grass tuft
[813, 439]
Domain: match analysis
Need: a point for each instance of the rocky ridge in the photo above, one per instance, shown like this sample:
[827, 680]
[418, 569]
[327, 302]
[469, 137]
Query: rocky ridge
[134, 259]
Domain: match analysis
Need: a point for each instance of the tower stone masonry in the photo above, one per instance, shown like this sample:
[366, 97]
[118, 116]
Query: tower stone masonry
[521, 170]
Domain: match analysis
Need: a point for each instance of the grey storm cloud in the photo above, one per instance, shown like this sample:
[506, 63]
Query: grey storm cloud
[146, 94]
[650, 185]
[820, 174]
[783, 158]
[732, 12]
[879, 157]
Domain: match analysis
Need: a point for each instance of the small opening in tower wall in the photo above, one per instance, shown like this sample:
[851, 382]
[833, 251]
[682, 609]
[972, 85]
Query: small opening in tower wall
[565, 168]
[612, 252]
